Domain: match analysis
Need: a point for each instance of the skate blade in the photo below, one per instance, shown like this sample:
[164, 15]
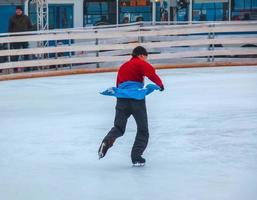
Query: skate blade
[100, 153]
[138, 165]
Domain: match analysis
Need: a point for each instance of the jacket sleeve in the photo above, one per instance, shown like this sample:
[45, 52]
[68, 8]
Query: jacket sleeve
[149, 72]
[10, 26]
[29, 23]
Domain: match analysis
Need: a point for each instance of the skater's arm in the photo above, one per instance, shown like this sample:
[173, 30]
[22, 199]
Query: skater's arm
[149, 72]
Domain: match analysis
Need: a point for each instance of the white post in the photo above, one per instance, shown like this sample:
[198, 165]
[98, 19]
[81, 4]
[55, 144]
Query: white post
[78, 14]
[26, 7]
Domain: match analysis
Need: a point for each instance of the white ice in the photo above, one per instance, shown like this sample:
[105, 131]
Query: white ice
[203, 139]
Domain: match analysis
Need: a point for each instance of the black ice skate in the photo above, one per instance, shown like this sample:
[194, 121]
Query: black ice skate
[138, 162]
[105, 145]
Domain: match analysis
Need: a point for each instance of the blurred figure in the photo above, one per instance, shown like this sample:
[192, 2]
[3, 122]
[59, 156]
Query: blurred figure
[164, 15]
[202, 17]
[139, 19]
[246, 16]
[236, 18]
[19, 23]
[125, 20]
[102, 21]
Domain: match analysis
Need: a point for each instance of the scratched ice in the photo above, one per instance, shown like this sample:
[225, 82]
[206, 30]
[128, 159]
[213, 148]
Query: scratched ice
[203, 139]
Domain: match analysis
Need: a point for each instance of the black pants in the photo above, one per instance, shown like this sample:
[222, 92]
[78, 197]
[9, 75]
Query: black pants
[136, 108]
[19, 45]
[3, 58]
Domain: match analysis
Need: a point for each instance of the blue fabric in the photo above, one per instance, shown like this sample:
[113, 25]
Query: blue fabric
[131, 90]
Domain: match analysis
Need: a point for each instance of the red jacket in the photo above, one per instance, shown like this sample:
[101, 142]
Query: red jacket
[135, 69]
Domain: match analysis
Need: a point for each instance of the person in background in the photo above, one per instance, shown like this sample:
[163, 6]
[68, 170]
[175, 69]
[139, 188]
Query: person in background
[19, 23]
[236, 18]
[246, 16]
[103, 21]
[202, 17]
[125, 20]
[139, 19]
[130, 93]
[164, 15]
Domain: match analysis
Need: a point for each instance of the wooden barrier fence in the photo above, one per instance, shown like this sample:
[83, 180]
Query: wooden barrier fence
[203, 42]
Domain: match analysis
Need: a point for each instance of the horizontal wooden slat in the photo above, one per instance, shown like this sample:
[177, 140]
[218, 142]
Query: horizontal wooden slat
[48, 73]
[102, 47]
[199, 24]
[184, 54]
[146, 26]
[131, 26]
[117, 34]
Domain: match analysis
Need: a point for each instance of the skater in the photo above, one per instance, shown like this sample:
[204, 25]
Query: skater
[131, 101]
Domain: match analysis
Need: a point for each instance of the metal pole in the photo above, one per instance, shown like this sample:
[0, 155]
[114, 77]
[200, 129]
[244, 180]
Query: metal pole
[9, 47]
[190, 11]
[229, 10]
[42, 14]
[154, 12]
[70, 53]
[117, 12]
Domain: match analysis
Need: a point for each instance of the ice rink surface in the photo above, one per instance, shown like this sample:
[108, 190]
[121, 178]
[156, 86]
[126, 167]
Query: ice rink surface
[203, 139]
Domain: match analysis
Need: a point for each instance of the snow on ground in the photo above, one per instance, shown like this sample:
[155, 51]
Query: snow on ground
[203, 139]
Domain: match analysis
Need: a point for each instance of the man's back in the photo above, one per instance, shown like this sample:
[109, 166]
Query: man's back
[135, 70]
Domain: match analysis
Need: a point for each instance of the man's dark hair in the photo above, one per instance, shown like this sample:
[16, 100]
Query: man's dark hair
[139, 51]
[19, 8]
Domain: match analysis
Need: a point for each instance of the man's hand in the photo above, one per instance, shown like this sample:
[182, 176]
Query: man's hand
[161, 88]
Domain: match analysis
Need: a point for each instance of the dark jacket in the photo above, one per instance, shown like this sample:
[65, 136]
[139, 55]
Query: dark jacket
[19, 23]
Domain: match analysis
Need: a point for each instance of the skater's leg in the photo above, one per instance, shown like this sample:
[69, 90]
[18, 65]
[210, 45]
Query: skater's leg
[142, 136]
[120, 122]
